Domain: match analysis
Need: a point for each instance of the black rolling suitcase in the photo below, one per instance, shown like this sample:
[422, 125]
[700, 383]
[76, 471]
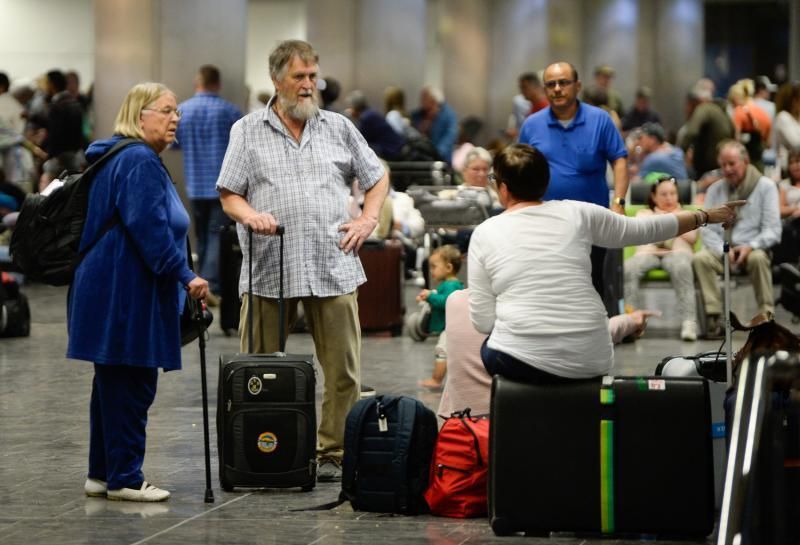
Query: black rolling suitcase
[625, 456]
[266, 417]
[230, 266]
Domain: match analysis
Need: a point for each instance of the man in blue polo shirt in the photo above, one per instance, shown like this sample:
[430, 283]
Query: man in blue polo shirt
[578, 141]
[203, 132]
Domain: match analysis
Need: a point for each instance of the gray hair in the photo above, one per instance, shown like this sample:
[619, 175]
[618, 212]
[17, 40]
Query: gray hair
[357, 101]
[282, 55]
[435, 93]
[735, 144]
[478, 153]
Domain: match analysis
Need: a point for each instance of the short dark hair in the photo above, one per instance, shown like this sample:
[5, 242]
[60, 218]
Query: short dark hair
[530, 77]
[655, 130]
[524, 171]
[57, 79]
[5, 83]
[209, 75]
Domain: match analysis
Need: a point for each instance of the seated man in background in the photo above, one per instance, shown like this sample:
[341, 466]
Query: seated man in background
[380, 136]
[660, 155]
[436, 120]
[757, 228]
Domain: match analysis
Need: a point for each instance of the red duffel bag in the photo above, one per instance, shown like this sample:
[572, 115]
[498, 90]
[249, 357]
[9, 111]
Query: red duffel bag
[460, 467]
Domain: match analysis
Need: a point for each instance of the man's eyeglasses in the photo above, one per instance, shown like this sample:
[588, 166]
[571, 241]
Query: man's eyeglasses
[491, 178]
[560, 82]
[166, 111]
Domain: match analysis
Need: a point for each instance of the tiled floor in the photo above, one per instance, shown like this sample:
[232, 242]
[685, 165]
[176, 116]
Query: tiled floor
[43, 448]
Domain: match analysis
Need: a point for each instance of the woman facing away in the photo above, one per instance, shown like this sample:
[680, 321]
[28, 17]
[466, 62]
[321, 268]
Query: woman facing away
[673, 255]
[530, 273]
[124, 304]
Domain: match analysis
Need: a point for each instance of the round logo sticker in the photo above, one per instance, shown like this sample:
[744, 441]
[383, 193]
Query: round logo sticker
[267, 442]
[254, 386]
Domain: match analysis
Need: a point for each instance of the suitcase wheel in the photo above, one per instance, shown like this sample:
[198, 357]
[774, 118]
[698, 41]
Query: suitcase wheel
[229, 332]
[307, 488]
[502, 527]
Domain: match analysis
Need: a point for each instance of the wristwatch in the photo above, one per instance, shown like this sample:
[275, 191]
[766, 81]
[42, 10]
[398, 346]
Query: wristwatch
[619, 200]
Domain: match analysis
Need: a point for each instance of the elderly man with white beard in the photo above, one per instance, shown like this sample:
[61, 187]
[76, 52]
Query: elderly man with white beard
[292, 164]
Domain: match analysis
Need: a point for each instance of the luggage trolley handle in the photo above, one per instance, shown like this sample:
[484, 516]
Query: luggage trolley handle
[281, 333]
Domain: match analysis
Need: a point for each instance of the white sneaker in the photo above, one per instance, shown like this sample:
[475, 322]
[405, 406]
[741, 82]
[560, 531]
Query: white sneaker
[689, 330]
[147, 492]
[95, 488]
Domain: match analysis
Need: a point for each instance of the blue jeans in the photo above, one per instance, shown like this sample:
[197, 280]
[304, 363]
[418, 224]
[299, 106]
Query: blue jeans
[121, 397]
[500, 363]
[209, 219]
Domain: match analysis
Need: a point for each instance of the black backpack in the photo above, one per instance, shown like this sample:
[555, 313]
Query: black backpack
[388, 447]
[45, 244]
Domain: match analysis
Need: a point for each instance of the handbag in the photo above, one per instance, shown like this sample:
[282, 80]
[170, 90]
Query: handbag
[460, 468]
[196, 317]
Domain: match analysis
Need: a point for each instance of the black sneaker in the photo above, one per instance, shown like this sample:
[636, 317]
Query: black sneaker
[367, 391]
[329, 470]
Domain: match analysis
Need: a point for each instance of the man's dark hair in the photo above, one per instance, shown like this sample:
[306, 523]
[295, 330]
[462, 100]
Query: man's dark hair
[4, 82]
[524, 170]
[58, 80]
[331, 92]
[209, 76]
[530, 77]
[655, 130]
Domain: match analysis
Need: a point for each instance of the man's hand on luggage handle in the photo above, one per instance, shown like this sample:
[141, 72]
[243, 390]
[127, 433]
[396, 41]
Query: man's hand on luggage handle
[262, 224]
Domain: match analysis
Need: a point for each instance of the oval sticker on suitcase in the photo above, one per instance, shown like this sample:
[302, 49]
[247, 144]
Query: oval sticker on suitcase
[254, 386]
[267, 442]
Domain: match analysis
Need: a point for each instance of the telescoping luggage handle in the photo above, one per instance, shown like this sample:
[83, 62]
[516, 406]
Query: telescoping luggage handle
[281, 336]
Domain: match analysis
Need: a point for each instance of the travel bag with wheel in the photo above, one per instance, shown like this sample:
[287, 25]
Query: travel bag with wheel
[380, 299]
[15, 312]
[230, 267]
[266, 416]
[621, 456]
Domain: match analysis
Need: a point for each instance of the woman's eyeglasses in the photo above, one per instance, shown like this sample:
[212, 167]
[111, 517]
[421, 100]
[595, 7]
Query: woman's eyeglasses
[166, 111]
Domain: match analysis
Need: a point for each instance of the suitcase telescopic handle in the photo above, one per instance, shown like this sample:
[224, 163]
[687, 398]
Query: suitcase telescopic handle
[281, 333]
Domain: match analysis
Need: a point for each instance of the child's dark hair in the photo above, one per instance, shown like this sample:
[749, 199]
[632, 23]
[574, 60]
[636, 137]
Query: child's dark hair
[651, 202]
[449, 254]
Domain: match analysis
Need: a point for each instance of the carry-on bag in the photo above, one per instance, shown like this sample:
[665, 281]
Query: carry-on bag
[460, 467]
[621, 456]
[15, 312]
[380, 299]
[388, 445]
[230, 267]
[266, 416]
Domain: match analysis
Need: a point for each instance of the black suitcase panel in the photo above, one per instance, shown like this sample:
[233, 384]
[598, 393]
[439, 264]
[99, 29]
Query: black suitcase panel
[545, 462]
[266, 421]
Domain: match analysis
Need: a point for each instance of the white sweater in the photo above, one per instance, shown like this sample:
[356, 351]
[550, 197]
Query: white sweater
[531, 288]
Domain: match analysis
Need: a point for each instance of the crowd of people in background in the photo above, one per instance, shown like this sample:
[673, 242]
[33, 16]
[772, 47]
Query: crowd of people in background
[46, 125]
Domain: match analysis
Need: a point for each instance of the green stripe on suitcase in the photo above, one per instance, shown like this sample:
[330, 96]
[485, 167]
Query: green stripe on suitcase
[607, 475]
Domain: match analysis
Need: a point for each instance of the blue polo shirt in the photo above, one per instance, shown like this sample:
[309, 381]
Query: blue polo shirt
[578, 154]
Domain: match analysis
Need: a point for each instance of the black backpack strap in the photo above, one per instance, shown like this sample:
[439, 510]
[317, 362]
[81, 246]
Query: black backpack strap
[112, 222]
[406, 416]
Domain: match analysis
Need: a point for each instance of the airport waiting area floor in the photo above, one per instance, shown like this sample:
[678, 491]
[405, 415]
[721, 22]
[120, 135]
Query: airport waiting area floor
[44, 416]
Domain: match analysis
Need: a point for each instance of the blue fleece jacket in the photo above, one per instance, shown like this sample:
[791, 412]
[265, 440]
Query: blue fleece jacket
[124, 303]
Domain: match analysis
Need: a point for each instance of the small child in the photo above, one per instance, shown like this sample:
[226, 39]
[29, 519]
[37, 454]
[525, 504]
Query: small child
[444, 264]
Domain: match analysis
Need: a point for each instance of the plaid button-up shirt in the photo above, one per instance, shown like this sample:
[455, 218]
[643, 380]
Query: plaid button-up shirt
[306, 187]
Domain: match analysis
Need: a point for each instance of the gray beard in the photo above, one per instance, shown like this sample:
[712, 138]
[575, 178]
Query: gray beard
[297, 111]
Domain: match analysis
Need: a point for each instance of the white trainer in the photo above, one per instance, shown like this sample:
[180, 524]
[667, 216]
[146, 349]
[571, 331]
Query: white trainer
[689, 330]
[147, 492]
[95, 488]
